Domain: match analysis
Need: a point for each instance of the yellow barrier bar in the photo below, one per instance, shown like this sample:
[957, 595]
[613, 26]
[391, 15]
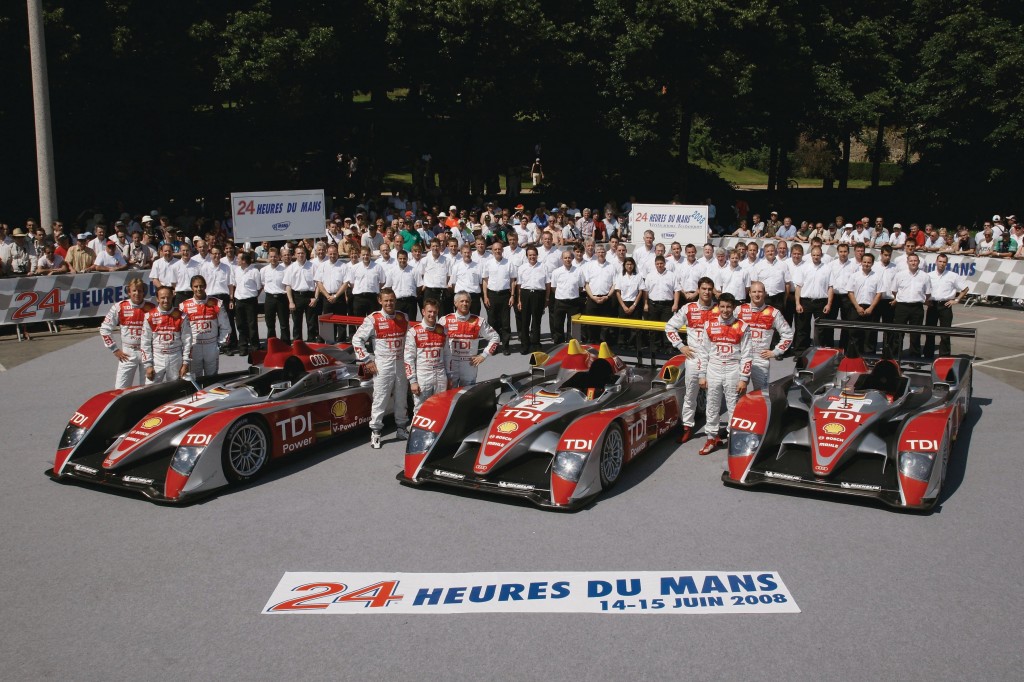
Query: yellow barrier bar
[621, 323]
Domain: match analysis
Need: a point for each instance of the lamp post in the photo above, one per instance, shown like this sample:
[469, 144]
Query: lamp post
[41, 106]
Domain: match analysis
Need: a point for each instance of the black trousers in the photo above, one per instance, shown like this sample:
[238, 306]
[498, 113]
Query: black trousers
[631, 336]
[847, 313]
[610, 308]
[813, 308]
[364, 304]
[338, 307]
[886, 311]
[533, 301]
[937, 315]
[562, 311]
[863, 341]
[407, 305]
[662, 312]
[248, 331]
[441, 295]
[303, 309]
[181, 296]
[498, 314]
[225, 303]
[908, 313]
[778, 301]
[275, 314]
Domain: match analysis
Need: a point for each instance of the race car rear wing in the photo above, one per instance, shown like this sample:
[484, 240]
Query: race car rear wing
[876, 327]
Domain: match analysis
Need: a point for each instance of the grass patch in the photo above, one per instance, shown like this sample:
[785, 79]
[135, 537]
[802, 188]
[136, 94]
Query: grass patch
[752, 176]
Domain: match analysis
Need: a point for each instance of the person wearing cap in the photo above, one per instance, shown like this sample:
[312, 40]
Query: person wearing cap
[772, 225]
[111, 259]
[897, 238]
[997, 226]
[99, 243]
[80, 257]
[17, 257]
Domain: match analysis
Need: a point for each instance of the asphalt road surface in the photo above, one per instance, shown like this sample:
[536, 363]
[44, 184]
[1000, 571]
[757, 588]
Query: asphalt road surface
[112, 587]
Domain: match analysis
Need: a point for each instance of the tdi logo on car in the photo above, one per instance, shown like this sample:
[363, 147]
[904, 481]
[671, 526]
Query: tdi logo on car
[293, 428]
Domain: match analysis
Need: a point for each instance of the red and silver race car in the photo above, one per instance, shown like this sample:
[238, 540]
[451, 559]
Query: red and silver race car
[857, 426]
[556, 435]
[173, 442]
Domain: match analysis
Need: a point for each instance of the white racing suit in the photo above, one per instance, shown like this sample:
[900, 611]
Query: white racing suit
[726, 354]
[426, 360]
[166, 340]
[129, 317]
[463, 333]
[210, 329]
[693, 315]
[763, 321]
[388, 336]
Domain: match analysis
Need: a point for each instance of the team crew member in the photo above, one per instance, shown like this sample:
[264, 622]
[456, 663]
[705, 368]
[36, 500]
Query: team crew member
[660, 285]
[814, 296]
[565, 285]
[387, 329]
[220, 279]
[129, 315]
[463, 329]
[166, 340]
[465, 278]
[688, 271]
[330, 285]
[726, 355]
[736, 278]
[764, 321]
[402, 279]
[773, 273]
[693, 316]
[866, 295]
[184, 270]
[434, 269]
[208, 324]
[629, 294]
[426, 355]
[161, 275]
[531, 296]
[599, 283]
[912, 291]
[244, 299]
[496, 279]
[275, 297]
[948, 288]
[365, 279]
[842, 267]
[300, 287]
[886, 308]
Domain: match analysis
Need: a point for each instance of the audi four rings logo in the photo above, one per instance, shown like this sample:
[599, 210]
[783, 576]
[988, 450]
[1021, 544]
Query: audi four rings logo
[507, 427]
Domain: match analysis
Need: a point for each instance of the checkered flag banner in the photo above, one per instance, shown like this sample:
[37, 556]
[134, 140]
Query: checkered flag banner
[992, 277]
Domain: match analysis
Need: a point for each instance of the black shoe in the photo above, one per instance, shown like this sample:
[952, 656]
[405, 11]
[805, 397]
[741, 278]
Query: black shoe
[525, 350]
[506, 350]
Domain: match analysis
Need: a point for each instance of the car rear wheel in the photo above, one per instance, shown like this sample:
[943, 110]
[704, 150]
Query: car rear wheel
[246, 449]
[613, 452]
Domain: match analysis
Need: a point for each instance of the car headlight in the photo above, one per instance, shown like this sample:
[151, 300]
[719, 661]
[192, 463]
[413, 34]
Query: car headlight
[743, 443]
[569, 465]
[185, 459]
[72, 436]
[420, 440]
[917, 465]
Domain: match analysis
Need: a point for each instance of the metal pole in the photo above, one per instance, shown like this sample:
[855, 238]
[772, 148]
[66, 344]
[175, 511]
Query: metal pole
[41, 102]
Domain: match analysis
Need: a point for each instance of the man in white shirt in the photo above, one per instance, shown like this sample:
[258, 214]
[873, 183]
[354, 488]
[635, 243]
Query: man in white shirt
[465, 278]
[161, 275]
[301, 289]
[599, 284]
[402, 279]
[531, 293]
[865, 294]
[434, 269]
[244, 299]
[912, 290]
[329, 279]
[814, 299]
[566, 282]
[688, 271]
[947, 289]
[497, 276]
[184, 270]
[774, 275]
[275, 297]
[111, 259]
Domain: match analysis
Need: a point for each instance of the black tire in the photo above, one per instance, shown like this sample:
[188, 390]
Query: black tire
[613, 455]
[246, 451]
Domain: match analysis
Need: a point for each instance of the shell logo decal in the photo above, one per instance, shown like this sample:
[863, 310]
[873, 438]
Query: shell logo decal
[833, 429]
[507, 427]
[339, 409]
[659, 412]
[152, 423]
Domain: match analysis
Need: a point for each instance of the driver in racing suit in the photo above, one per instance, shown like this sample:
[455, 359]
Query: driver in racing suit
[725, 358]
[166, 340]
[693, 315]
[426, 355]
[387, 329]
[463, 329]
[764, 320]
[209, 325]
[129, 316]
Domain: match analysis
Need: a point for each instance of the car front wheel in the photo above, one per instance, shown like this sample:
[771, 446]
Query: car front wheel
[613, 452]
[246, 449]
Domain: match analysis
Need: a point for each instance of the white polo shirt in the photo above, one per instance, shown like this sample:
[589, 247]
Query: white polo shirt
[912, 288]
[600, 277]
[566, 282]
[947, 285]
[498, 273]
[814, 281]
[532, 277]
[660, 286]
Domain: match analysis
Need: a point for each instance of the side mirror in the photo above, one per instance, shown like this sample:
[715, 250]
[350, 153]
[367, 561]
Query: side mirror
[279, 387]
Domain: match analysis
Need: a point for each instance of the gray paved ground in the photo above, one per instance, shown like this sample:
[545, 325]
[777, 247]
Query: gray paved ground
[101, 586]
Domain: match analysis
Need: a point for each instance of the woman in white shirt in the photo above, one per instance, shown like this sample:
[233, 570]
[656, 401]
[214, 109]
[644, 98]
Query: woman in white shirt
[630, 295]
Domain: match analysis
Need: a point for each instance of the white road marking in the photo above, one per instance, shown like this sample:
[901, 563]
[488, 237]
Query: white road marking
[984, 319]
[1005, 357]
[1007, 369]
